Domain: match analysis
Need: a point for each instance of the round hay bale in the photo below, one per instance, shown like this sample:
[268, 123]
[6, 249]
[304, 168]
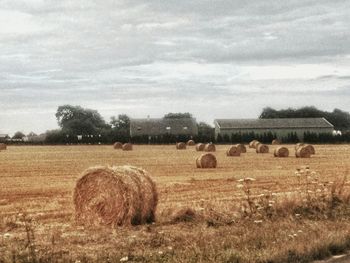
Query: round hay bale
[181, 146]
[262, 148]
[191, 143]
[302, 152]
[209, 147]
[127, 147]
[281, 152]
[252, 143]
[3, 146]
[207, 160]
[115, 196]
[242, 147]
[117, 145]
[233, 151]
[200, 147]
[147, 191]
[310, 148]
[275, 142]
[299, 145]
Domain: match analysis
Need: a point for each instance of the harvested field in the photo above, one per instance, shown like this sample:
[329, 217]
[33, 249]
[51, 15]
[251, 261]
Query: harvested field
[36, 197]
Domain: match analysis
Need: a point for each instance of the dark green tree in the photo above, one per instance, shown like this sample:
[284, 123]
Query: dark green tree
[18, 135]
[77, 120]
[177, 115]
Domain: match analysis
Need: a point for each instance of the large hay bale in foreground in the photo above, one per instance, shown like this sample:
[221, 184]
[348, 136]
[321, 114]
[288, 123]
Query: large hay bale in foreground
[310, 148]
[127, 147]
[302, 152]
[241, 147]
[181, 146]
[281, 152]
[117, 145]
[233, 151]
[209, 147]
[275, 142]
[191, 143]
[115, 196]
[3, 146]
[262, 148]
[207, 160]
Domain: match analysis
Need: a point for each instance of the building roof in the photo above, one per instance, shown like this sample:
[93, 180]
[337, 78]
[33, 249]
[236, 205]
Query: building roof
[279, 123]
[161, 126]
[3, 135]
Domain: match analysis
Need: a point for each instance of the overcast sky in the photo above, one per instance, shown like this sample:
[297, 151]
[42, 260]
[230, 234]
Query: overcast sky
[213, 58]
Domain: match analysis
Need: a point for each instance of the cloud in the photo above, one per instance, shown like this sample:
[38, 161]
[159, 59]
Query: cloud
[149, 57]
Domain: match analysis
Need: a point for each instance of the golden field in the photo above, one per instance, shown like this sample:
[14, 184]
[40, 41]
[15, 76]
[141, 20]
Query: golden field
[37, 213]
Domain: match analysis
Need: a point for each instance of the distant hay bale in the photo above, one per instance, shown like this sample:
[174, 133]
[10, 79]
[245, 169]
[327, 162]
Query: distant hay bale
[299, 145]
[115, 196]
[262, 148]
[3, 146]
[234, 150]
[252, 143]
[200, 147]
[117, 145]
[275, 142]
[181, 146]
[127, 147]
[207, 160]
[191, 143]
[310, 148]
[256, 145]
[281, 152]
[209, 147]
[302, 152]
[242, 147]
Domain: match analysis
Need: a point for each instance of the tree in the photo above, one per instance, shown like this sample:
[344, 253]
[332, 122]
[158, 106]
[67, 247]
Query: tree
[77, 120]
[122, 123]
[18, 135]
[177, 115]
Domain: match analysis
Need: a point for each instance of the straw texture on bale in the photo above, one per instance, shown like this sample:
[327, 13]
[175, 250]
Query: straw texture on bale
[302, 152]
[200, 147]
[115, 196]
[181, 146]
[299, 145]
[310, 148]
[275, 142]
[209, 147]
[3, 146]
[207, 160]
[241, 147]
[233, 151]
[262, 148]
[252, 143]
[127, 147]
[191, 143]
[281, 152]
[118, 145]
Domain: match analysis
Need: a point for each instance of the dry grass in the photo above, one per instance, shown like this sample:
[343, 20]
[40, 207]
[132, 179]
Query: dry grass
[282, 216]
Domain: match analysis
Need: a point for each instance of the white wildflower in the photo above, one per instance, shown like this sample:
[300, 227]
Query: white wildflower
[124, 259]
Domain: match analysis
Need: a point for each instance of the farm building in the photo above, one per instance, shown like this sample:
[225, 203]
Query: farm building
[280, 127]
[163, 126]
[3, 137]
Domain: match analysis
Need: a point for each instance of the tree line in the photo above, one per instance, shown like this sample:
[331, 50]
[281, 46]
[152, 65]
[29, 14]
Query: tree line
[87, 126]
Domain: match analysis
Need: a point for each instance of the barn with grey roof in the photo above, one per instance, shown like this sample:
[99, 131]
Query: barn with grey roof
[163, 126]
[279, 126]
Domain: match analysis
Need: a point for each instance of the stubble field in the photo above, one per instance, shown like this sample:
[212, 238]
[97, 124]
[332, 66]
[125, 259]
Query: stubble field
[227, 224]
